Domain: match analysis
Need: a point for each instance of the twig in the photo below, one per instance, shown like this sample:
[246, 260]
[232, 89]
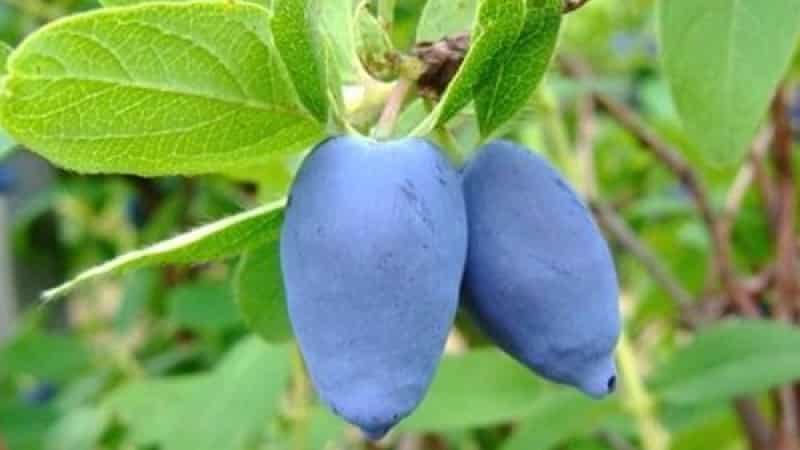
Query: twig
[584, 145]
[608, 218]
[610, 221]
[758, 430]
[756, 426]
[394, 104]
[747, 174]
[672, 159]
[573, 5]
[786, 284]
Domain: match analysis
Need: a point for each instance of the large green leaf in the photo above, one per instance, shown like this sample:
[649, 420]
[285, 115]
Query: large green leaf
[576, 413]
[483, 387]
[223, 239]
[498, 24]
[296, 26]
[336, 22]
[723, 59]
[223, 410]
[265, 3]
[156, 89]
[513, 75]
[444, 18]
[260, 294]
[731, 359]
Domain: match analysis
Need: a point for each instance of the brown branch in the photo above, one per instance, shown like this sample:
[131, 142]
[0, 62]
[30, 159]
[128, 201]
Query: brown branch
[756, 426]
[673, 161]
[573, 5]
[610, 220]
[786, 284]
[747, 174]
[626, 237]
[758, 430]
[786, 281]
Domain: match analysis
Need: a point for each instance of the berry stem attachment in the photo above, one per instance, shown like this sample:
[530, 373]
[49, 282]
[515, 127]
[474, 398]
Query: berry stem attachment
[394, 104]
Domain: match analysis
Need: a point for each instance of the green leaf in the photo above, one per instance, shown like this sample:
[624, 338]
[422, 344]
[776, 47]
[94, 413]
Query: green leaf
[336, 22]
[223, 410]
[295, 25]
[483, 387]
[24, 427]
[327, 431]
[260, 294]
[5, 52]
[219, 240]
[152, 409]
[733, 358]
[723, 59]
[513, 75]
[445, 18]
[47, 357]
[81, 429]
[576, 415]
[498, 25]
[203, 305]
[156, 89]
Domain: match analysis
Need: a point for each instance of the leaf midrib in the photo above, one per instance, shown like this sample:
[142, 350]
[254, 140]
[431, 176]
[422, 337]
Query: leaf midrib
[241, 102]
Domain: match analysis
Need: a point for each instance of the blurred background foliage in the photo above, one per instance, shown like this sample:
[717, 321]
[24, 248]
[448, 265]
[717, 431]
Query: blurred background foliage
[163, 358]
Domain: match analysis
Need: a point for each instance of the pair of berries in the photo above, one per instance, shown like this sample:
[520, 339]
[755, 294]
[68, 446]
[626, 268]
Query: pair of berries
[381, 239]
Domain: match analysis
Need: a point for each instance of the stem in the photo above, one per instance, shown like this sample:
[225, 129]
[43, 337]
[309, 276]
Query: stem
[394, 104]
[300, 399]
[626, 237]
[638, 400]
[672, 160]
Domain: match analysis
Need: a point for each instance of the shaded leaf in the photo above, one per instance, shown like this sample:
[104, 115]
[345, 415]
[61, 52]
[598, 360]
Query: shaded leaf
[576, 413]
[203, 305]
[81, 429]
[224, 410]
[222, 239]
[47, 357]
[5, 52]
[260, 294]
